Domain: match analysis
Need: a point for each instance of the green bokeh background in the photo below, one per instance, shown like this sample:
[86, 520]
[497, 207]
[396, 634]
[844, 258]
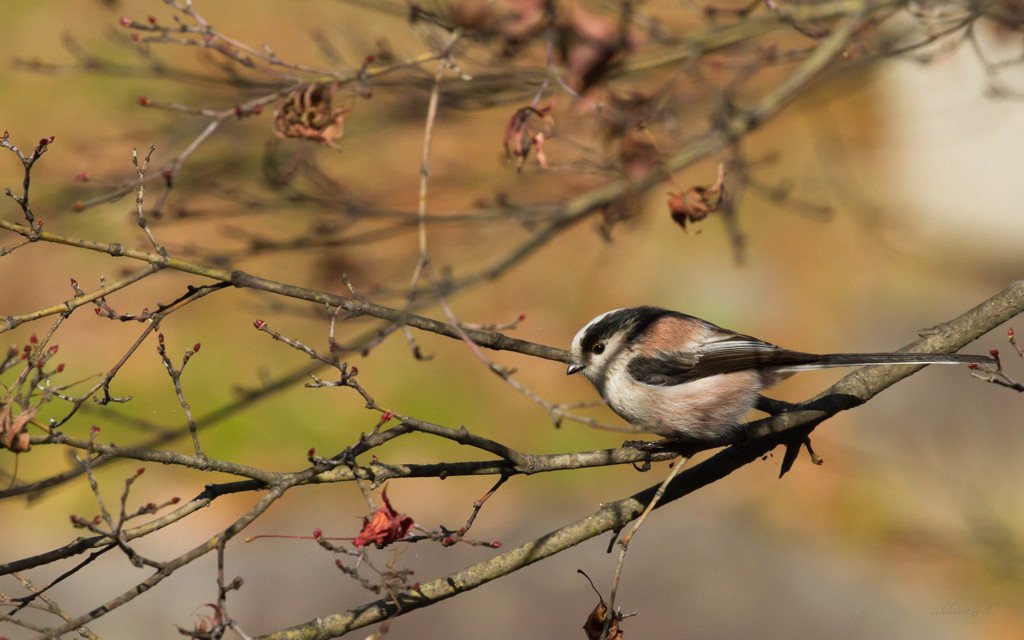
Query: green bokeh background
[915, 521]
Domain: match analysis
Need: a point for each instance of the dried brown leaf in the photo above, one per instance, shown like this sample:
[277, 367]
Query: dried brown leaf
[694, 204]
[594, 625]
[309, 112]
[526, 130]
[13, 432]
[207, 626]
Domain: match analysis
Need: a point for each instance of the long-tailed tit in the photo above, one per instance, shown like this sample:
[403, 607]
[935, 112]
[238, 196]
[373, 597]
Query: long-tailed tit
[683, 377]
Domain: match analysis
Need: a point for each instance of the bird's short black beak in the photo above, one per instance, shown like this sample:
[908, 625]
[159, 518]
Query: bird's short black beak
[575, 367]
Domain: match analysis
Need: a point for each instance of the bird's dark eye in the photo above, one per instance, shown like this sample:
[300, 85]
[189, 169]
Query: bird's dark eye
[598, 348]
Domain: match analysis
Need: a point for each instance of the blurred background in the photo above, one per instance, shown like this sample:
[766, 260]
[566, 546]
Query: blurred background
[882, 201]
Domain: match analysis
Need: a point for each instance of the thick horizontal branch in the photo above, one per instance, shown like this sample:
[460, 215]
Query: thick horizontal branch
[378, 472]
[863, 384]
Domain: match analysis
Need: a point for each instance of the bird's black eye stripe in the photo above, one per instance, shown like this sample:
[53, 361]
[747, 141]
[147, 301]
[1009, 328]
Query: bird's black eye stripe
[629, 322]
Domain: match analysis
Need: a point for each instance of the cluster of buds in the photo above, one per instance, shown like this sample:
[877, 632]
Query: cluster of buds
[33, 354]
[79, 522]
[994, 373]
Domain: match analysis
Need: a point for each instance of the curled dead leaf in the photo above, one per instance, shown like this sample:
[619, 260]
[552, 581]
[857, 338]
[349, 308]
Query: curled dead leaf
[13, 428]
[207, 626]
[526, 130]
[309, 112]
[694, 204]
[383, 526]
[594, 625]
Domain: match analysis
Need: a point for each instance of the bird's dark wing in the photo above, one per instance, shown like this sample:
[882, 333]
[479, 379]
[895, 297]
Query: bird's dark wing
[732, 353]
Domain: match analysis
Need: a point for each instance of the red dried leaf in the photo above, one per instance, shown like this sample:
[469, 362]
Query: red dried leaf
[696, 203]
[384, 526]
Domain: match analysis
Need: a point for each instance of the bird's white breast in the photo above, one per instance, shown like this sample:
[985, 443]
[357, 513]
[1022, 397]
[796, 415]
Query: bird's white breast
[705, 408]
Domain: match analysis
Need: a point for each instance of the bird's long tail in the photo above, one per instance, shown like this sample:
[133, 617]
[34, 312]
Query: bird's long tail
[863, 359]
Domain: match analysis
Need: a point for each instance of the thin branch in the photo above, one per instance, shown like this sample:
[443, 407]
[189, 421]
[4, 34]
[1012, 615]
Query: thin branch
[184, 559]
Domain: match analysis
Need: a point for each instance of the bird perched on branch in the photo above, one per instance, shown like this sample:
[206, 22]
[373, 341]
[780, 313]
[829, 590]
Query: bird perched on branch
[682, 377]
